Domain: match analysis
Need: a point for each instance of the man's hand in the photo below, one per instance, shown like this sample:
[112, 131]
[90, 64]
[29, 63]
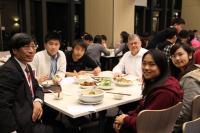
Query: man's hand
[37, 111]
[96, 71]
[81, 72]
[117, 74]
[42, 78]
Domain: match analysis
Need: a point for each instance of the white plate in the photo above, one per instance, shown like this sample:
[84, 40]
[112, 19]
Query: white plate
[105, 87]
[89, 103]
[123, 84]
[87, 87]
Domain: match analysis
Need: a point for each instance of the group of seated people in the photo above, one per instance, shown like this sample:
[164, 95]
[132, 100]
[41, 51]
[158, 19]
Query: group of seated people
[167, 80]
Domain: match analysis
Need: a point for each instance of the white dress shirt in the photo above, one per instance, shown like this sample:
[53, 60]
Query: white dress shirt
[130, 64]
[23, 66]
[42, 64]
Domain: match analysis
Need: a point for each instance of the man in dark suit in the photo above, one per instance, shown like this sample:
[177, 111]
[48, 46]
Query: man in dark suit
[21, 98]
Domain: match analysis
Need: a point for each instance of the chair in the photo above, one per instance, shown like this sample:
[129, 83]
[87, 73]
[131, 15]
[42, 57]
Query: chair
[158, 121]
[192, 126]
[196, 107]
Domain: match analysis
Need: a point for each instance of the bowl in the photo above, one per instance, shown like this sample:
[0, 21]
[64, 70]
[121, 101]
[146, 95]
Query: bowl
[82, 78]
[91, 95]
[118, 96]
[47, 83]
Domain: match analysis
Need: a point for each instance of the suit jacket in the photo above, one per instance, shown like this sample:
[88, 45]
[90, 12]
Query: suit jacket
[16, 102]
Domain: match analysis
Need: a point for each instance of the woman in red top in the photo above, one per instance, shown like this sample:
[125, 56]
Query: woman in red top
[160, 91]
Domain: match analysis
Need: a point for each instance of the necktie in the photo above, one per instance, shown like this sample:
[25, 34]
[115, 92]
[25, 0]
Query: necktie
[53, 67]
[29, 80]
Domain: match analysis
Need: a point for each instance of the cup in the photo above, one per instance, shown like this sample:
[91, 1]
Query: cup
[118, 96]
[58, 96]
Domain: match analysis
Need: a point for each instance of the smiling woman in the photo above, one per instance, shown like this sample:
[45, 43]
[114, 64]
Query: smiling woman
[183, 67]
[160, 90]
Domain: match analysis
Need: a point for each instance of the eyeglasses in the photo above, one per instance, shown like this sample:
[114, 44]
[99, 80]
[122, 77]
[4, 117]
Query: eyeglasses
[27, 47]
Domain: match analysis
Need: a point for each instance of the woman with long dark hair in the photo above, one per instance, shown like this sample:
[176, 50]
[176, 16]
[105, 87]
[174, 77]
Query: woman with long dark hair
[183, 68]
[160, 90]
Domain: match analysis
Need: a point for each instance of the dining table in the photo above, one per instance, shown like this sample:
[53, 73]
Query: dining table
[71, 106]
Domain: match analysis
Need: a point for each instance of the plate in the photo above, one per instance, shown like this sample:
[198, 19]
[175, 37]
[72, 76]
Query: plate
[105, 87]
[123, 83]
[89, 103]
[87, 87]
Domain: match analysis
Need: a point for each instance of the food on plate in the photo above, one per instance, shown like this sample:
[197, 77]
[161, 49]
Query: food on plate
[105, 82]
[87, 83]
[122, 80]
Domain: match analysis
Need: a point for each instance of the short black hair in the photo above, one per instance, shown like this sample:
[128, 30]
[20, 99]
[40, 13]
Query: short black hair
[184, 34]
[98, 39]
[52, 36]
[177, 21]
[19, 40]
[88, 37]
[104, 37]
[79, 42]
[170, 32]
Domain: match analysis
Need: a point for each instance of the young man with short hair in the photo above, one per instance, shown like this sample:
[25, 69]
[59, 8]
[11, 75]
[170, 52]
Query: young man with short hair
[78, 61]
[51, 61]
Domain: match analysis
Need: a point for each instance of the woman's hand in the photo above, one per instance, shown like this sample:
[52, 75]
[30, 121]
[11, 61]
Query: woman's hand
[119, 120]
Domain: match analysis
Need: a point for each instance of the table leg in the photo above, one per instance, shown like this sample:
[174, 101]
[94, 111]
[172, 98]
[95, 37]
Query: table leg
[102, 121]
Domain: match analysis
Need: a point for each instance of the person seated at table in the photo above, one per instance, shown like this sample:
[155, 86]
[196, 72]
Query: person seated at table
[21, 97]
[183, 68]
[104, 41]
[184, 36]
[160, 90]
[88, 39]
[78, 62]
[51, 61]
[123, 46]
[197, 56]
[94, 50]
[130, 62]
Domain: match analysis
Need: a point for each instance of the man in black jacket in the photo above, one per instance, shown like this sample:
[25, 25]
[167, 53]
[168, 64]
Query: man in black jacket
[159, 37]
[21, 98]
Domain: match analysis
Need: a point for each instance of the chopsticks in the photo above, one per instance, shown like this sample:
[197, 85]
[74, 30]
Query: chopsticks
[119, 93]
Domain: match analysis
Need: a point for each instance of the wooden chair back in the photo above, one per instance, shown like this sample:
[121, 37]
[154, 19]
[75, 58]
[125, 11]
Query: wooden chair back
[158, 121]
[192, 126]
[196, 107]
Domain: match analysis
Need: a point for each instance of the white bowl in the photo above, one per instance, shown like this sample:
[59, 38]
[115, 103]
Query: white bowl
[82, 78]
[47, 83]
[118, 96]
[91, 95]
